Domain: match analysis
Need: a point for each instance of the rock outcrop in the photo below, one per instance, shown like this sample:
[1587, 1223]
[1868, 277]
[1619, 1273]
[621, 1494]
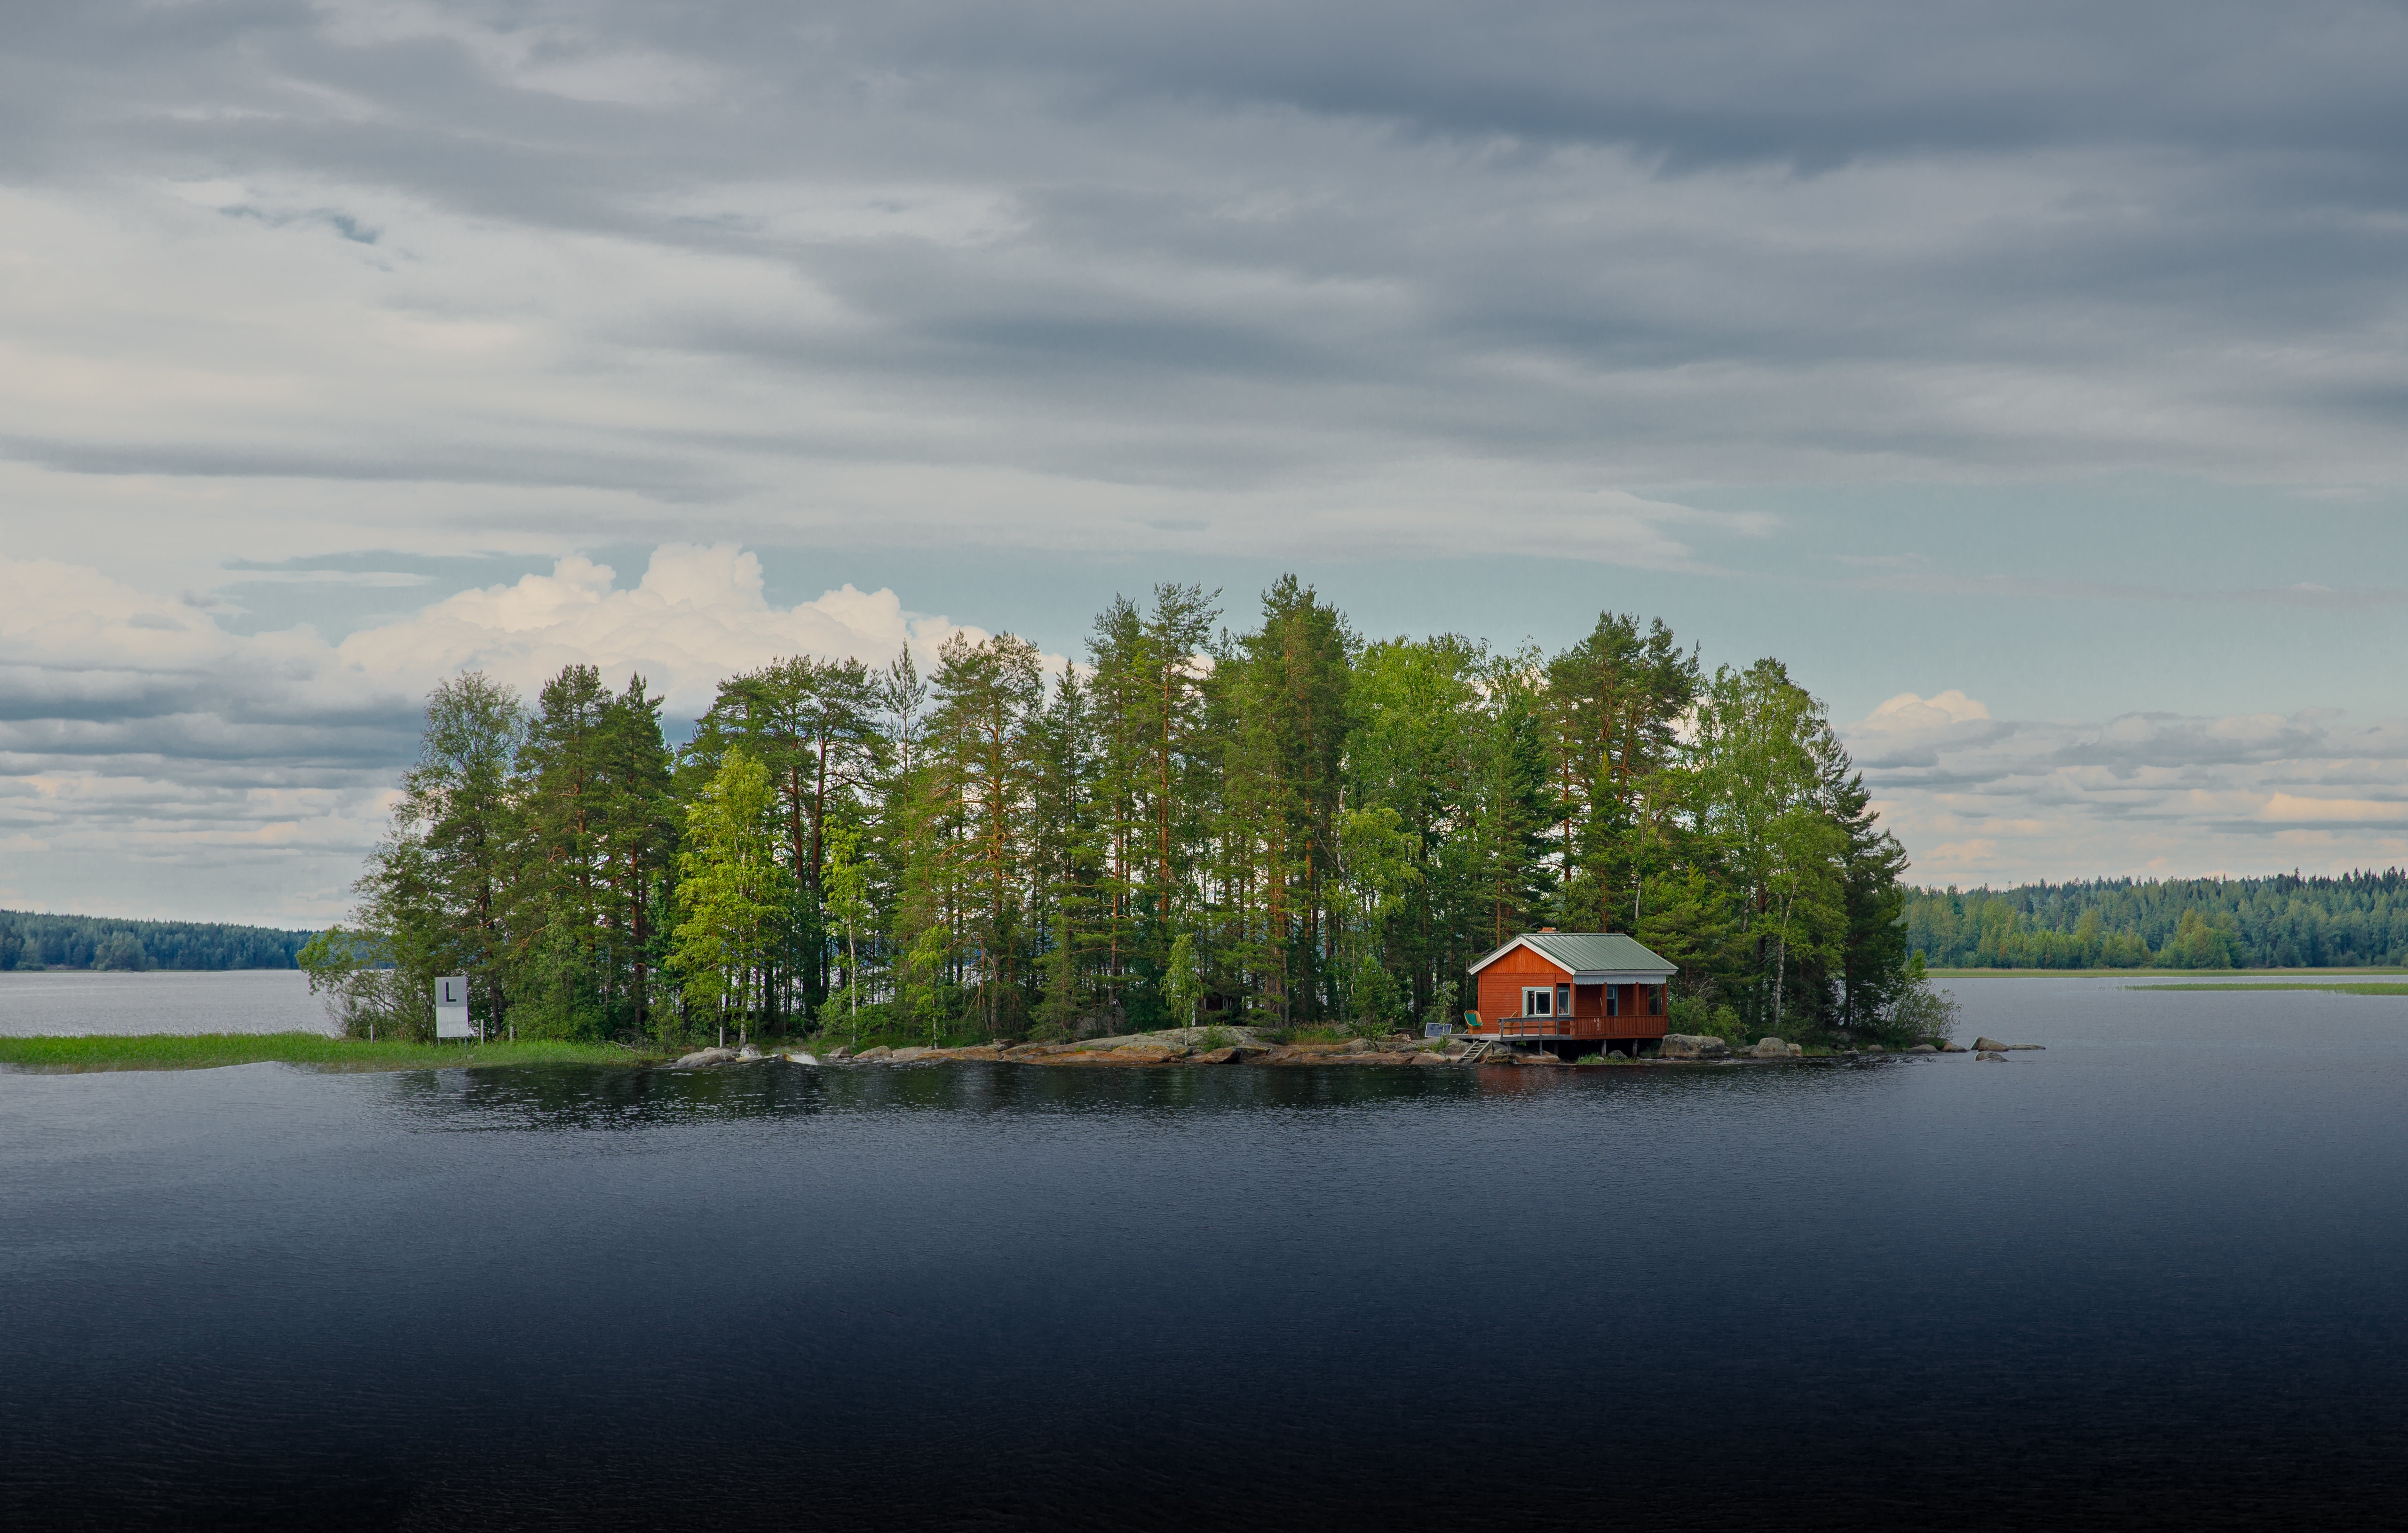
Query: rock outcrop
[1923, 1047]
[876, 1055]
[706, 1056]
[1692, 1046]
[1770, 1047]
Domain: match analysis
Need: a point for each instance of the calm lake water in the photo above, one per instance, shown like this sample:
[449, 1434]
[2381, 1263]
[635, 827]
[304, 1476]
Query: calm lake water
[234, 1000]
[2151, 1277]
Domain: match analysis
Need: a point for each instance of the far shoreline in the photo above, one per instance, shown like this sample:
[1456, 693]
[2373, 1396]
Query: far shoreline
[2146, 973]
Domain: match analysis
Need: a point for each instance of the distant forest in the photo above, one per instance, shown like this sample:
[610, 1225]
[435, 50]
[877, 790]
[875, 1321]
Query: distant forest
[2285, 921]
[28, 940]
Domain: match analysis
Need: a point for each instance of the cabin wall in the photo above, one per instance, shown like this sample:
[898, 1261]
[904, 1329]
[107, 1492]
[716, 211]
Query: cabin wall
[1501, 982]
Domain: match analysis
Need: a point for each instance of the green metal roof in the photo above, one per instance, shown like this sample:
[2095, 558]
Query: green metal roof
[1588, 952]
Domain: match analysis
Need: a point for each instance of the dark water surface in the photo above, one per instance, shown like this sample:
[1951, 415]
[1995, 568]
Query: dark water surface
[2151, 1277]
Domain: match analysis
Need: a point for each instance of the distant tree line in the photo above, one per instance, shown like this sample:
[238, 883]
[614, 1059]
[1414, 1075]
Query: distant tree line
[29, 941]
[2283, 922]
[1285, 825]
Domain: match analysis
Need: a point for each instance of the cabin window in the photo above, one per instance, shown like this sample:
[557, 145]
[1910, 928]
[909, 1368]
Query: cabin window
[1654, 1000]
[1613, 1000]
[1538, 1000]
[1563, 1000]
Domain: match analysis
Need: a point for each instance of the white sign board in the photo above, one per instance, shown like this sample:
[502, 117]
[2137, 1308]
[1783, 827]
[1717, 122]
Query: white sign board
[451, 1007]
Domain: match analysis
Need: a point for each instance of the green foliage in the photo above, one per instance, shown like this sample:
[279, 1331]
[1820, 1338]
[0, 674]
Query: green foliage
[1918, 1014]
[732, 893]
[1284, 827]
[29, 940]
[1701, 1015]
[1182, 985]
[2288, 922]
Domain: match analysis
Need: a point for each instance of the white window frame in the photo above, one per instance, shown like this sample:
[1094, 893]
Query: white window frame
[1546, 994]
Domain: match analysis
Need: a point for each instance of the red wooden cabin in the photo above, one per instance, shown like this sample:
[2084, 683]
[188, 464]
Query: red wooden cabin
[1575, 993]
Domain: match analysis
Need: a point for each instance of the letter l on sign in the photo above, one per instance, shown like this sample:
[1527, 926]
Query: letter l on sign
[451, 1007]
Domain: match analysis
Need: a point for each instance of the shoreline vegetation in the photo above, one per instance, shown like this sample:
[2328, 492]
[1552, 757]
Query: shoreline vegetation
[36, 942]
[2242, 978]
[101, 1053]
[1273, 821]
[2341, 987]
[2357, 920]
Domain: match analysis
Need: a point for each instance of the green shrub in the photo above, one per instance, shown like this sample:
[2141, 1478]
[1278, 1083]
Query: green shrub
[1920, 1015]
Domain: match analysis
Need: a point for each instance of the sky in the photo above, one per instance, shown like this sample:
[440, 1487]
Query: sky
[2030, 377]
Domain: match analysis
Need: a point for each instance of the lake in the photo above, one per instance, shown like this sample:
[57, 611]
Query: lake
[234, 1001]
[2150, 1277]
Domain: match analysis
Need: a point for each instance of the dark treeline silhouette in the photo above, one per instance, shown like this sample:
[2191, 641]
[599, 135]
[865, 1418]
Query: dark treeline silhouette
[29, 940]
[2282, 922]
[1284, 825]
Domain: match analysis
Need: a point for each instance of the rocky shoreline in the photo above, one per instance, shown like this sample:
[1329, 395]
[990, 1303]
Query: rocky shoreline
[1244, 1046]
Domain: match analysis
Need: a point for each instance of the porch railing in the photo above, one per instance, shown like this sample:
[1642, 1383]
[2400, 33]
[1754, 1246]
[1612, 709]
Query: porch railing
[1538, 1026]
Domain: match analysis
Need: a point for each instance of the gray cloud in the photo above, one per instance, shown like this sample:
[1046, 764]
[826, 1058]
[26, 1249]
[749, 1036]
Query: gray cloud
[1257, 247]
[477, 281]
[1981, 799]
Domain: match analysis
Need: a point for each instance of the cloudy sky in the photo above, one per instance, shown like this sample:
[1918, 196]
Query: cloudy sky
[2030, 377]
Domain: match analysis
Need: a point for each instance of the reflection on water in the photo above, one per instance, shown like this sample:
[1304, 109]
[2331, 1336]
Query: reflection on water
[614, 1098]
[2147, 1277]
[610, 1097]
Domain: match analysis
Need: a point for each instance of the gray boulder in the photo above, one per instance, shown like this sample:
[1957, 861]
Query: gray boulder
[1952, 1047]
[747, 1052]
[869, 1056]
[1990, 1045]
[1770, 1047]
[1923, 1047]
[799, 1056]
[706, 1056]
[1993, 1055]
[1691, 1046]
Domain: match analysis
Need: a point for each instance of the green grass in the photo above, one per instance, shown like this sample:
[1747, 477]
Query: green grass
[209, 1050]
[2343, 989]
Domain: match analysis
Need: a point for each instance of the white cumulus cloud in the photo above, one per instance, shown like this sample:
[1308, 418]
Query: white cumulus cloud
[152, 763]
